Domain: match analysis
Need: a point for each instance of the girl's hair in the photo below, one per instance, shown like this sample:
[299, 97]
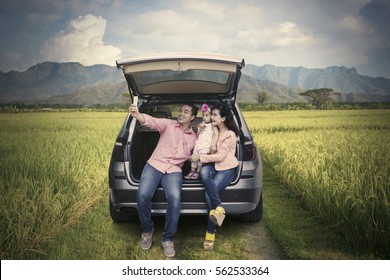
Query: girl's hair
[226, 113]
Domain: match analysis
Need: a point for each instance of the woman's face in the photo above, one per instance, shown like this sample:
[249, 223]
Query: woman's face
[216, 118]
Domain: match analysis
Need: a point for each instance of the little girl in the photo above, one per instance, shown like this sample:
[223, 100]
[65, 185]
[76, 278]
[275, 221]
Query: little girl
[206, 142]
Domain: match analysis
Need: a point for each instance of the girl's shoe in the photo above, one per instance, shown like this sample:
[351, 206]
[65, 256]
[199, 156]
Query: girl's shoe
[217, 215]
[189, 176]
[208, 244]
[195, 176]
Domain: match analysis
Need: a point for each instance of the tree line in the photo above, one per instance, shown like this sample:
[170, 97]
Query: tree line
[319, 99]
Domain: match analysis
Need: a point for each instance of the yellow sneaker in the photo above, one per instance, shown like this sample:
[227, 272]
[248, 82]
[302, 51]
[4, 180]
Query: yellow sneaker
[217, 215]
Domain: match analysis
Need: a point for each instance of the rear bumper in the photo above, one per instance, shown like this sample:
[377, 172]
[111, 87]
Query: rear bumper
[240, 198]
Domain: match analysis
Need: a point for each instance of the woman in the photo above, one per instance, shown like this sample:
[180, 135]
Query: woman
[218, 175]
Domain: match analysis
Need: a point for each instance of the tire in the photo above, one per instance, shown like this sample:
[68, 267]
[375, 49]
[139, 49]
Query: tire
[255, 215]
[121, 216]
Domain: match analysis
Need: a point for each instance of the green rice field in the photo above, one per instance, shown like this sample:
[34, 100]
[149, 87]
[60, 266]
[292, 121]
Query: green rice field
[54, 169]
[338, 163]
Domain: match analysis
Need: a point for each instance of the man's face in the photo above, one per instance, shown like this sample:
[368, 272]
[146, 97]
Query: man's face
[185, 115]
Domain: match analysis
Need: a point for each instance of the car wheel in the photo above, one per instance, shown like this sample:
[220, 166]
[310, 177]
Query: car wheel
[121, 216]
[255, 215]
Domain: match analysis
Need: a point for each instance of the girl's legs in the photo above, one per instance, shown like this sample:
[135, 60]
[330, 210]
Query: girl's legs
[198, 165]
[193, 169]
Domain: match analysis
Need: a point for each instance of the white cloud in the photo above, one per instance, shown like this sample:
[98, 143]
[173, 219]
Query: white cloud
[307, 33]
[243, 12]
[168, 30]
[286, 34]
[164, 22]
[212, 10]
[81, 42]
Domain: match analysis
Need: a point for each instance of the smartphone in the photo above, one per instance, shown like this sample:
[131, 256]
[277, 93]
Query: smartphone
[135, 100]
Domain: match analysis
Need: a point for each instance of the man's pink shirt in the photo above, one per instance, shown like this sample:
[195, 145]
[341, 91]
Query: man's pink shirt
[174, 146]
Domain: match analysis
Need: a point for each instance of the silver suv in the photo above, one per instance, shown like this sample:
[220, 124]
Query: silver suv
[161, 83]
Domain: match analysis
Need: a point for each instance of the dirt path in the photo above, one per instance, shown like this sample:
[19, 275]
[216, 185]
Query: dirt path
[260, 243]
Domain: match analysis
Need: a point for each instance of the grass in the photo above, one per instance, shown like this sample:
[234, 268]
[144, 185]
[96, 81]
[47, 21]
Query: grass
[298, 232]
[53, 174]
[53, 170]
[301, 234]
[96, 237]
[338, 163]
[53, 186]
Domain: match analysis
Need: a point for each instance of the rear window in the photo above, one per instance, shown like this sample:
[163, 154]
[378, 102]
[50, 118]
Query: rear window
[152, 77]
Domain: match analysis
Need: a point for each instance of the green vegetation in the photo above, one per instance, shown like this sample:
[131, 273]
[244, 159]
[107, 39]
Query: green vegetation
[299, 232]
[297, 106]
[53, 188]
[53, 172]
[320, 96]
[53, 168]
[338, 163]
[262, 100]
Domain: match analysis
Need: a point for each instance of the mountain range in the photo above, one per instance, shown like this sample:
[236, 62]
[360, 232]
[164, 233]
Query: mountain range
[73, 83]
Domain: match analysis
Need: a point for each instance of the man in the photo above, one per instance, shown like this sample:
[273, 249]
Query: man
[164, 167]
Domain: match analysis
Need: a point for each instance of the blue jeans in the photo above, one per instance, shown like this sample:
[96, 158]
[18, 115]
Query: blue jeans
[215, 182]
[171, 183]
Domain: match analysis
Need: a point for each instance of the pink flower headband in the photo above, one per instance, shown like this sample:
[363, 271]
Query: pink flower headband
[205, 108]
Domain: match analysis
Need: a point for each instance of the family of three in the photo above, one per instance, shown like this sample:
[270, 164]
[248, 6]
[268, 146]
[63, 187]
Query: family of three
[213, 161]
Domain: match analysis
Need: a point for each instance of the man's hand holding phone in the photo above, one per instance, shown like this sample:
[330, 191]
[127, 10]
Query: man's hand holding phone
[133, 110]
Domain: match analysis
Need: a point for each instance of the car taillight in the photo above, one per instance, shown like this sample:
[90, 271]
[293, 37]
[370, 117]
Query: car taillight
[117, 154]
[249, 150]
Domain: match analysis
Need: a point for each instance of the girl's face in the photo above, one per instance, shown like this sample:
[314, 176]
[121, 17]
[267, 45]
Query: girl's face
[216, 118]
[207, 116]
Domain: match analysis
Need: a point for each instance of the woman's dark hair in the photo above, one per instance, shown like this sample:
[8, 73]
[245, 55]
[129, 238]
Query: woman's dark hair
[226, 113]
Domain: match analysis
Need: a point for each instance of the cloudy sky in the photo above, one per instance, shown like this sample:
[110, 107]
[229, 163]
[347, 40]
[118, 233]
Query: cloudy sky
[308, 33]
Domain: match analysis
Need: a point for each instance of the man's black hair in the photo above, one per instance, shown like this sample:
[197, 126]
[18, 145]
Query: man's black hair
[194, 109]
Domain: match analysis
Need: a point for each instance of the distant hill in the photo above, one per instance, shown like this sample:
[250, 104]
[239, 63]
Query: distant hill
[73, 83]
[249, 89]
[48, 79]
[340, 79]
[103, 94]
